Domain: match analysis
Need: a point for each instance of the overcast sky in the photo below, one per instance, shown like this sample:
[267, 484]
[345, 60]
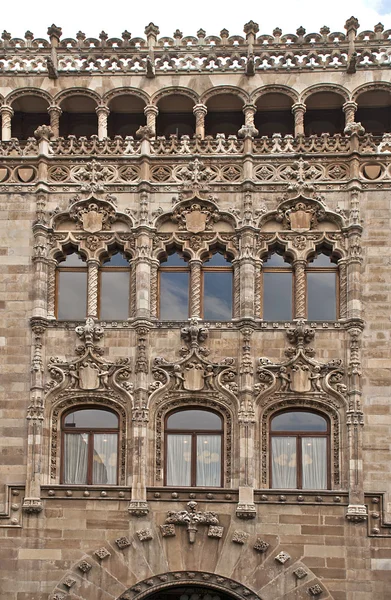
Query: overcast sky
[113, 17]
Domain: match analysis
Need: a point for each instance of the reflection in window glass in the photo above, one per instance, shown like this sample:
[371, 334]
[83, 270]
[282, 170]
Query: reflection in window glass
[218, 295]
[174, 295]
[298, 421]
[314, 459]
[178, 460]
[72, 295]
[194, 419]
[208, 460]
[91, 418]
[277, 296]
[284, 462]
[104, 462]
[114, 295]
[321, 294]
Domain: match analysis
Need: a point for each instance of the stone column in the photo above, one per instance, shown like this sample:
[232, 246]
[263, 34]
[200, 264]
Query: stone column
[247, 275]
[102, 112]
[258, 288]
[249, 111]
[51, 289]
[349, 109]
[41, 268]
[298, 110]
[151, 112]
[343, 288]
[200, 111]
[32, 503]
[142, 264]
[154, 288]
[236, 290]
[6, 114]
[55, 114]
[195, 288]
[299, 267]
[92, 288]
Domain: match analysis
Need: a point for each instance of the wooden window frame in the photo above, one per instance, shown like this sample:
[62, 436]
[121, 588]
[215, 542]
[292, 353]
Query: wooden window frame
[216, 269]
[194, 433]
[90, 443]
[299, 435]
[64, 269]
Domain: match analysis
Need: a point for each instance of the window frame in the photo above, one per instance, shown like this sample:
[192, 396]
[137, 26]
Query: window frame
[194, 433]
[216, 269]
[287, 269]
[90, 443]
[334, 268]
[115, 269]
[299, 435]
[74, 269]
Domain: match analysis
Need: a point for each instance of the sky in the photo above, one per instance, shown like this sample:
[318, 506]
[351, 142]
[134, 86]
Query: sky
[93, 16]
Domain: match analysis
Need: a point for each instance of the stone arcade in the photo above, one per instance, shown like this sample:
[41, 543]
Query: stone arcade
[195, 316]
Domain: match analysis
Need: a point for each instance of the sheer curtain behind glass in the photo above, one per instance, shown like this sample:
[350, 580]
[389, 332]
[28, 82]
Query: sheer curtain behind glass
[284, 462]
[76, 457]
[209, 460]
[178, 459]
[104, 465]
[314, 457]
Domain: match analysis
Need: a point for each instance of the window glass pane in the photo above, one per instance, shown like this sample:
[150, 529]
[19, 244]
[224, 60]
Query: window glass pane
[104, 465]
[322, 260]
[72, 295]
[299, 421]
[174, 295]
[174, 260]
[178, 459]
[91, 419]
[321, 291]
[75, 457]
[217, 260]
[114, 295]
[72, 260]
[209, 460]
[117, 260]
[284, 462]
[277, 296]
[275, 260]
[218, 296]
[194, 420]
[314, 456]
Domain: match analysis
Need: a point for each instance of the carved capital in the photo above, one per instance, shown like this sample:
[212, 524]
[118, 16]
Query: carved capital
[138, 508]
[246, 511]
[32, 506]
[357, 513]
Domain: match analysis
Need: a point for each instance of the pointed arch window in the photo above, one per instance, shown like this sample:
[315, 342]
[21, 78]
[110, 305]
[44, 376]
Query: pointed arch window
[174, 280]
[322, 288]
[72, 288]
[90, 447]
[277, 288]
[300, 450]
[193, 448]
[114, 288]
[217, 288]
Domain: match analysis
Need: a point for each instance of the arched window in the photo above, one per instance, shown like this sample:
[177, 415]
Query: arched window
[114, 288]
[90, 447]
[72, 288]
[174, 279]
[193, 448]
[217, 288]
[277, 289]
[322, 274]
[299, 457]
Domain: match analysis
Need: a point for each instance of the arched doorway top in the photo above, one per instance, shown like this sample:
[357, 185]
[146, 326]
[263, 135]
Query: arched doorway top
[205, 583]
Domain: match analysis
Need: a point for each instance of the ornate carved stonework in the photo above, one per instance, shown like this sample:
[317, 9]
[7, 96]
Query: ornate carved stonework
[192, 518]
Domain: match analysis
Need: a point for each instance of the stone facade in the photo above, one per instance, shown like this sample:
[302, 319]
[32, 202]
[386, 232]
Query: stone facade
[147, 195]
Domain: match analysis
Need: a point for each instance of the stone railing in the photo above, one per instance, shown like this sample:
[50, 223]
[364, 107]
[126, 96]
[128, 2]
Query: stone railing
[184, 145]
[200, 53]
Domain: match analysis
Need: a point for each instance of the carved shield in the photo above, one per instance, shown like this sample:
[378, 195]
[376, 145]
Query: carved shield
[3, 174]
[26, 174]
[194, 380]
[300, 379]
[372, 171]
[195, 221]
[92, 221]
[89, 379]
[300, 220]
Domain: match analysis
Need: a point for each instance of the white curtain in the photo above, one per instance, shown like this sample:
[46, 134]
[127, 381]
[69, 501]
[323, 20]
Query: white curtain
[209, 460]
[104, 465]
[314, 453]
[76, 457]
[178, 459]
[284, 467]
